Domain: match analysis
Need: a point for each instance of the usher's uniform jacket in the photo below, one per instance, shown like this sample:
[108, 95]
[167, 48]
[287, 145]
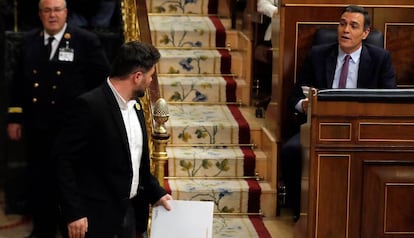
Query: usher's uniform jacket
[42, 88]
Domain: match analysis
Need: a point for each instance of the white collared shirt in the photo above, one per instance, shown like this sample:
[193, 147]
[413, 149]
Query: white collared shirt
[351, 81]
[134, 134]
[267, 8]
[55, 43]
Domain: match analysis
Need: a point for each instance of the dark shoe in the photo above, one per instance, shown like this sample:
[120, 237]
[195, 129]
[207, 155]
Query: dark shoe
[263, 103]
[296, 214]
[295, 218]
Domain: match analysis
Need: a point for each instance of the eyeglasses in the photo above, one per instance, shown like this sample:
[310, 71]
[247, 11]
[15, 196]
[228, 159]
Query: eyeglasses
[50, 10]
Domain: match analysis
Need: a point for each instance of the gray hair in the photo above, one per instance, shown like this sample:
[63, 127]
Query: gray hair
[41, 1]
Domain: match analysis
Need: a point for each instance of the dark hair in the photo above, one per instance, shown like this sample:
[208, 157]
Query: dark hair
[358, 9]
[133, 56]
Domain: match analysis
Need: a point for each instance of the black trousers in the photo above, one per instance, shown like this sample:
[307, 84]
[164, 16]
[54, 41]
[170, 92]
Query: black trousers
[42, 197]
[128, 228]
[98, 228]
[291, 164]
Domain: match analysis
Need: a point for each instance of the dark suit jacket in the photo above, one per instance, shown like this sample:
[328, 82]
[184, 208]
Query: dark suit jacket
[318, 70]
[44, 89]
[94, 164]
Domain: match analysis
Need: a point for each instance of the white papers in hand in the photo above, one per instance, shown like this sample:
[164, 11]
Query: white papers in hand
[187, 219]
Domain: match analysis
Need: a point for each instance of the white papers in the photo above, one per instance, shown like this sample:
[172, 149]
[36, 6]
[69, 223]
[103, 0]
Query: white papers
[187, 219]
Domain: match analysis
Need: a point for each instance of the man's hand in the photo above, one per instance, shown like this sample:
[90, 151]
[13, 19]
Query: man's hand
[78, 228]
[163, 202]
[14, 130]
[305, 104]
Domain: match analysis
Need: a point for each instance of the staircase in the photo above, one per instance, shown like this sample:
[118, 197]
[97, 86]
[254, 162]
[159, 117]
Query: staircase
[218, 150]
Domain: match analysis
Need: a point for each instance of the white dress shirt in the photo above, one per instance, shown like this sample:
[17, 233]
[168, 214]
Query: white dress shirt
[267, 8]
[351, 80]
[134, 134]
[55, 42]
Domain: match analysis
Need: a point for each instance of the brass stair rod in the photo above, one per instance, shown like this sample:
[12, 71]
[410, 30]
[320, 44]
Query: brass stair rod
[200, 48]
[257, 178]
[206, 103]
[185, 14]
[212, 145]
[195, 75]
[238, 213]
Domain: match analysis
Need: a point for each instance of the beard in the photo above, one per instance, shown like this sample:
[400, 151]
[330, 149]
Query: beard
[138, 93]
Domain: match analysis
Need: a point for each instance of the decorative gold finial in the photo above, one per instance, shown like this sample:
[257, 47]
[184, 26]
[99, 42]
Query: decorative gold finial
[161, 116]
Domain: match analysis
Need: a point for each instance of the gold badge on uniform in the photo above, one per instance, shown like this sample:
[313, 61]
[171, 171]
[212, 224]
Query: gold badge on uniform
[138, 106]
[67, 36]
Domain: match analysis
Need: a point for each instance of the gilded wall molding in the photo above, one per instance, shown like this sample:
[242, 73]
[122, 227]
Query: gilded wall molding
[130, 20]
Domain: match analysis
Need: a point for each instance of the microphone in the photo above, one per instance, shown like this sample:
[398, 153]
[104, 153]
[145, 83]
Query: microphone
[160, 114]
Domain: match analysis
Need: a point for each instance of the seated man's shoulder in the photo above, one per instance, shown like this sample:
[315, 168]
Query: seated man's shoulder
[323, 50]
[375, 51]
[374, 47]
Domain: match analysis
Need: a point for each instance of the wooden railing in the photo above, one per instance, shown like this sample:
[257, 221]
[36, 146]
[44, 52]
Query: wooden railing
[136, 28]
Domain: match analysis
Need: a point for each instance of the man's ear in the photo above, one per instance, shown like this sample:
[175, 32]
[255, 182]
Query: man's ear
[138, 75]
[366, 33]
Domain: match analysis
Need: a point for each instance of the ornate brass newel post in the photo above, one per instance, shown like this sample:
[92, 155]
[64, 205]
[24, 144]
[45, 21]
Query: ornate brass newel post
[160, 138]
[15, 16]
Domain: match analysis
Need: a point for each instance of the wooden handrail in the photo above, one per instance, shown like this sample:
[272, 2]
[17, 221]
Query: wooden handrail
[136, 28]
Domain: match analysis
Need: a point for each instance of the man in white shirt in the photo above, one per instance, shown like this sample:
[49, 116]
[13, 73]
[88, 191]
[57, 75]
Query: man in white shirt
[104, 175]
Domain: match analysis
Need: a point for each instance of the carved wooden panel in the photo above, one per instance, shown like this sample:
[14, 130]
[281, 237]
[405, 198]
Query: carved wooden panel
[399, 41]
[335, 132]
[392, 131]
[388, 192]
[332, 195]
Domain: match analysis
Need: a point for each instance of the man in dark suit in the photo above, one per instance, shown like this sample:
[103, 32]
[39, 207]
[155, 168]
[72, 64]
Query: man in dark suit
[368, 66]
[103, 156]
[47, 81]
